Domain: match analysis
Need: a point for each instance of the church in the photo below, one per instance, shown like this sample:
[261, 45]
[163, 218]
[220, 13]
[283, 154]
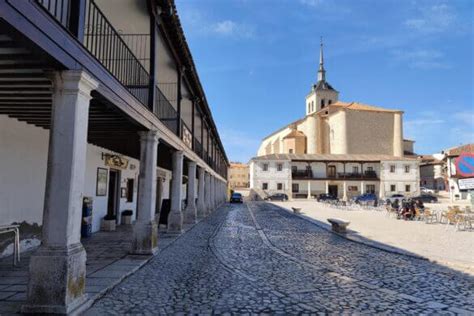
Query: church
[342, 148]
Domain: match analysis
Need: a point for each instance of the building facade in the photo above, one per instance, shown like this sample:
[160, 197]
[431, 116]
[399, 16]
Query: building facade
[432, 173]
[341, 148]
[460, 186]
[99, 100]
[344, 176]
[238, 175]
[335, 127]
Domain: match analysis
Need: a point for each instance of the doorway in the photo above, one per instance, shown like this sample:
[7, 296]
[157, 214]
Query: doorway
[113, 196]
[332, 189]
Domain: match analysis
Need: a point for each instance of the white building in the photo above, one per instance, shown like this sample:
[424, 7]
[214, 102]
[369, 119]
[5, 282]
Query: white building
[345, 176]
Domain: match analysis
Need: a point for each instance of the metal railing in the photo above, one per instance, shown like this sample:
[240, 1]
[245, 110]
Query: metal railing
[139, 44]
[106, 44]
[165, 111]
[197, 147]
[308, 174]
[59, 9]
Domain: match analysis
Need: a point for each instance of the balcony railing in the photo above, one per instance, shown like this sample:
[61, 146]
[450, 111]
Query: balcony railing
[165, 111]
[308, 174]
[127, 58]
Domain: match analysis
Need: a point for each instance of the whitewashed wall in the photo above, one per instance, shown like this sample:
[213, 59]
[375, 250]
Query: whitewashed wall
[23, 157]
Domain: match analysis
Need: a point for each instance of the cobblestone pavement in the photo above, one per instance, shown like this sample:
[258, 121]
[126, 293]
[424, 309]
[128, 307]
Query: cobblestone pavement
[258, 258]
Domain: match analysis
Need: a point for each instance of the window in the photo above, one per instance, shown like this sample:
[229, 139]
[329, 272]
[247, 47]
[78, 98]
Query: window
[370, 188]
[407, 188]
[279, 167]
[393, 188]
[322, 104]
[392, 168]
[370, 168]
[331, 171]
[279, 186]
[264, 186]
[295, 188]
[355, 169]
[129, 190]
[265, 167]
[290, 150]
[329, 102]
[407, 168]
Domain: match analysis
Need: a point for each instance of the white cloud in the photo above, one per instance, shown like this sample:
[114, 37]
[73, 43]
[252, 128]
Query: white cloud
[231, 28]
[311, 3]
[434, 19]
[198, 23]
[420, 58]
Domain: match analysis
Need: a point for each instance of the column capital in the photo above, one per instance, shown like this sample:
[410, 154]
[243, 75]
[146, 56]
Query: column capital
[72, 81]
[149, 136]
[192, 163]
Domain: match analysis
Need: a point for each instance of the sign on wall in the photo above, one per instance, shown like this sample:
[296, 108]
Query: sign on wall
[466, 184]
[115, 161]
[187, 137]
[465, 165]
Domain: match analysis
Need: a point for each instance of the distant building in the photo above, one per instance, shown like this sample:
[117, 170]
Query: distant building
[458, 185]
[432, 172]
[343, 148]
[238, 175]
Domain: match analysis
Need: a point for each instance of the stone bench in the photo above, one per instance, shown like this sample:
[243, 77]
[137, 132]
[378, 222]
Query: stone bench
[296, 210]
[338, 225]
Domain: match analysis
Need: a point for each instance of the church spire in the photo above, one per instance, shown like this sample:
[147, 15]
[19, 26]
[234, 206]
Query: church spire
[321, 71]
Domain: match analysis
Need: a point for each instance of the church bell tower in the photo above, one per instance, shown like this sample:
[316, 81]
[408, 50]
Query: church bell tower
[322, 93]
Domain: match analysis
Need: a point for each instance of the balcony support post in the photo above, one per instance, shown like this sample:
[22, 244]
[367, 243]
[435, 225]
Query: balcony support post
[77, 17]
[178, 123]
[152, 70]
[193, 105]
[309, 189]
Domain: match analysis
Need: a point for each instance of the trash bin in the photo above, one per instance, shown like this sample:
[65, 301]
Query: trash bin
[86, 223]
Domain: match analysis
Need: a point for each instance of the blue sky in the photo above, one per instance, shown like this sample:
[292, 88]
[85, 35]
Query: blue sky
[257, 60]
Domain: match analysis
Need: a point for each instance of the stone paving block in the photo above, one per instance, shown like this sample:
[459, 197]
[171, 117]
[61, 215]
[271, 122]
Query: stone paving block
[95, 288]
[100, 281]
[106, 273]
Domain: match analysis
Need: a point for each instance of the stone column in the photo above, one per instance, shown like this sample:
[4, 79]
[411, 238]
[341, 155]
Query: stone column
[175, 217]
[344, 191]
[381, 190]
[397, 135]
[213, 193]
[309, 189]
[362, 187]
[190, 213]
[327, 187]
[207, 197]
[145, 230]
[58, 268]
[201, 207]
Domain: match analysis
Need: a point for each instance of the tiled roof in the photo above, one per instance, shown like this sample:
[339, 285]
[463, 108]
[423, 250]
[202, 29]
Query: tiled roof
[323, 85]
[295, 133]
[456, 151]
[331, 157]
[359, 107]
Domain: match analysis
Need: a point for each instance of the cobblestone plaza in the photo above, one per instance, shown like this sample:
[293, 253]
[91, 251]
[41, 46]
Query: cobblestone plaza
[258, 258]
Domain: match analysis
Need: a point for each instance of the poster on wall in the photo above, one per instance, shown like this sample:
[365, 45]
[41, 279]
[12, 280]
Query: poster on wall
[101, 187]
[466, 184]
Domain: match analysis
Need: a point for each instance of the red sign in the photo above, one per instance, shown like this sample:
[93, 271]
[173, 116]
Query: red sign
[465, 165]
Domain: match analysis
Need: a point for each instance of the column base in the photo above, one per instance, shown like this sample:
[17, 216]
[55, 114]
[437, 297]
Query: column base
[57, 280]
[145, 238]
[201, 212]
[175, 222]
[190, 215]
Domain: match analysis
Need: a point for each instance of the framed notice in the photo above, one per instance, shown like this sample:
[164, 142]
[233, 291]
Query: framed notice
[101, 186]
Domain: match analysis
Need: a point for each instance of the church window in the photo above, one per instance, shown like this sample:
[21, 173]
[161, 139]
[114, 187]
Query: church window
[312, 106]
[291, 150]
[322, 103]
[329, 102]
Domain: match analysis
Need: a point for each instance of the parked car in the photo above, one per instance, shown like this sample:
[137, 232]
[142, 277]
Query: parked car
[427, 190]
[236, 198]
[393, 197]
[326, 197]
[366, 197]
[425, 198]
[277, 197]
